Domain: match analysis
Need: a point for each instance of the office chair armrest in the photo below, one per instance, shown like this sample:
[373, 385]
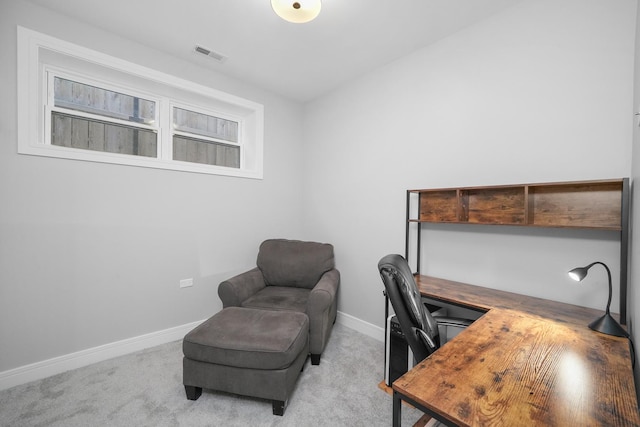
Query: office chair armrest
[452, 321]
[237, 289]
[426, 339]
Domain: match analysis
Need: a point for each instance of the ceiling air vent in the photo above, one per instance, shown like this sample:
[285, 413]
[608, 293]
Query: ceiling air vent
[215, 55]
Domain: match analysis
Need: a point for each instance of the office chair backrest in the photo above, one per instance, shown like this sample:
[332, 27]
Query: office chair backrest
[417, 324]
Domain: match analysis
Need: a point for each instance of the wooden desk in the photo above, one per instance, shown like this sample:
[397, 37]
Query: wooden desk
[526, 362]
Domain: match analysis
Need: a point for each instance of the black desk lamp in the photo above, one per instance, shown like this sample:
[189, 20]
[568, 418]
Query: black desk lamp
[605, 324]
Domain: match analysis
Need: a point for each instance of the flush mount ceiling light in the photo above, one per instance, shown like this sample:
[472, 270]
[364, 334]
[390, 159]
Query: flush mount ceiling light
[297, 12]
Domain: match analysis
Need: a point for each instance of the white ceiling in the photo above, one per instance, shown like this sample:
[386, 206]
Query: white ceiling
[298, 61]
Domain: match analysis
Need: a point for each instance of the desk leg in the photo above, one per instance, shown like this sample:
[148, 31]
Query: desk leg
[397, 410]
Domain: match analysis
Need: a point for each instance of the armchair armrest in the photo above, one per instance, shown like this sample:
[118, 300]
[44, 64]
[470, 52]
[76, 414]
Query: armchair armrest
[324, 293]
[238, 288]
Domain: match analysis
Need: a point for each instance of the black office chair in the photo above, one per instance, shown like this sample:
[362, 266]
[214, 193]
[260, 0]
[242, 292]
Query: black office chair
[418, 325]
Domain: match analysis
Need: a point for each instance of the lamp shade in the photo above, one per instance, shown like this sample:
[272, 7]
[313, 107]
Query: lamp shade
[298, 12]
[578, 273]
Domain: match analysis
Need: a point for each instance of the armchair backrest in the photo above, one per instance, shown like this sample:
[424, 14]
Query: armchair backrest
[417, 324]
[294, 263]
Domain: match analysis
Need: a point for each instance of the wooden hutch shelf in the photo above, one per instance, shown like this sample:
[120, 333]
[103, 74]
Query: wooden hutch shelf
[592, 204]
[599, 205]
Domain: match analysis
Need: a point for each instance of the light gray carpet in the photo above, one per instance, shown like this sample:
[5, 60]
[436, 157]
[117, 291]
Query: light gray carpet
[145, 389]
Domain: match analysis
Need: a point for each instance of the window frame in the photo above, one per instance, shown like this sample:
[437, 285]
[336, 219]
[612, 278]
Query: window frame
[42, 57]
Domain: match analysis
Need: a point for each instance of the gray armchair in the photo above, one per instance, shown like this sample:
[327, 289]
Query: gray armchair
[291, 275]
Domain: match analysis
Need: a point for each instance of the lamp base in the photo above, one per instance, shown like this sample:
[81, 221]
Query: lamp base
[608, 325]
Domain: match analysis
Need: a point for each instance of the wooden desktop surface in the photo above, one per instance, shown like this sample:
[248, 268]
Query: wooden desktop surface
[526, 362]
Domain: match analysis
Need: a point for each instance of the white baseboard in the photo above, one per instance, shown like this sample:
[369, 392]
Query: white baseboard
[361, 326]
[46, 368]
[67, 362]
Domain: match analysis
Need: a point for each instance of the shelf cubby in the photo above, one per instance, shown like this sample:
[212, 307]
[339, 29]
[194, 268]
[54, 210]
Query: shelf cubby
[588, 205]
[494, 205]
[439, 206]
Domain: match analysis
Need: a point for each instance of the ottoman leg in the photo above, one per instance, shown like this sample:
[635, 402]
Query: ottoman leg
[315, 359]
[193, 393]
[278, 407]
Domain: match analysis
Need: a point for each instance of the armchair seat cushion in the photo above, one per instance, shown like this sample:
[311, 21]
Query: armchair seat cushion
[279, 298]
[249, 338]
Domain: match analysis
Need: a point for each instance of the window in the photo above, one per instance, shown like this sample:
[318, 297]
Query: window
[203, 138]
[76, 103]
[89, 117]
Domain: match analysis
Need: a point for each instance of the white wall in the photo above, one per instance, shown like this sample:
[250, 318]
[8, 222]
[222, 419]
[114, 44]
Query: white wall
[539, 93]
[91, 253]
[634, 280]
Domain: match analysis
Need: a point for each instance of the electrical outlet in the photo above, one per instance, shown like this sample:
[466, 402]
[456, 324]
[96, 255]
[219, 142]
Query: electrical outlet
[185, 283]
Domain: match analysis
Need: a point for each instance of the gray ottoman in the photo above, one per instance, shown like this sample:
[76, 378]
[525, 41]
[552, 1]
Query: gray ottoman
[247, 351]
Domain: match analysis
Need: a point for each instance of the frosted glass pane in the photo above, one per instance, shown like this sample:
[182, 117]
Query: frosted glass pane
[95, 100]
[79, 132]
[207, 152]
[205, 125]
